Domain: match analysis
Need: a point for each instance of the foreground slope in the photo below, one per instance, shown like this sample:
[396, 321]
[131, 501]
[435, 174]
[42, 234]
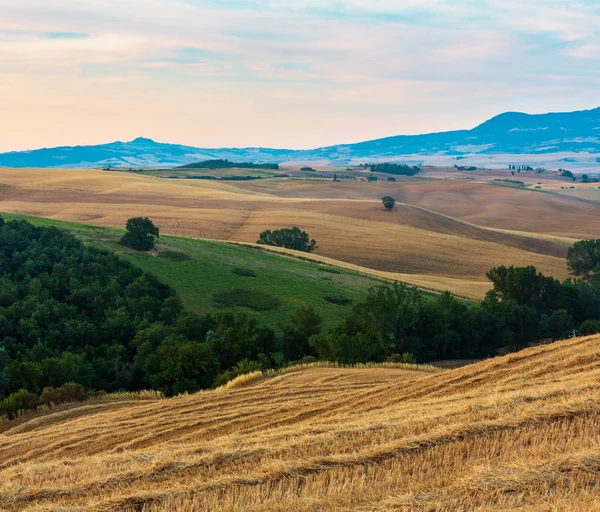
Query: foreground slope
[512, 433]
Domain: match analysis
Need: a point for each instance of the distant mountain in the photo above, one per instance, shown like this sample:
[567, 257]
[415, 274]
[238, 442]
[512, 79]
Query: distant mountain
[559, 137]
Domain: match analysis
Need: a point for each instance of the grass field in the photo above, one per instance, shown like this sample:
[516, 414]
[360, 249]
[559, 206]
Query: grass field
[513, 433]
[444, 234]
[201, 270]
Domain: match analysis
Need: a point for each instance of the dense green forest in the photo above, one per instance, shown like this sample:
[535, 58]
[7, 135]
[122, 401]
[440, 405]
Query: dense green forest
[71, 314]
[226, 164]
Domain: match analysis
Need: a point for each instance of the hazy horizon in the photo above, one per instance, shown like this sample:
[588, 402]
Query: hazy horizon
[248, 73]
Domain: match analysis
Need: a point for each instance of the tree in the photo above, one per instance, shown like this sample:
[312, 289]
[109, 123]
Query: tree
[526, 286]
[181, 365]
[388, 202]
[290, 238]
[141, 234]
[567, 174]
[345, 348]
[583, 258]
[303, 324]
[391, 310]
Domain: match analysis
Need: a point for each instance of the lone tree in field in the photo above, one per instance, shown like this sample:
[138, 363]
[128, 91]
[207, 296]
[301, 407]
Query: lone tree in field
[290, 238]
[141, 234]
[388, 202]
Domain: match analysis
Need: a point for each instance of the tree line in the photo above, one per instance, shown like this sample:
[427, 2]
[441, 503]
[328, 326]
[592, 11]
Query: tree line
[227, 164]
[397, 169]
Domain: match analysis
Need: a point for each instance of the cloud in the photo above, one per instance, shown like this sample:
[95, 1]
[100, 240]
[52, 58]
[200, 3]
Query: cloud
[373, 67]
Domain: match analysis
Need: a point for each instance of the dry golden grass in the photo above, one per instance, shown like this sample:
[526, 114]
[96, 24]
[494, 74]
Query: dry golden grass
[513, 433]
[443, 234]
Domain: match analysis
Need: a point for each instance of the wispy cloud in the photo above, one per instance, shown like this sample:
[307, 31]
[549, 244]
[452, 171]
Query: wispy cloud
[283, 72]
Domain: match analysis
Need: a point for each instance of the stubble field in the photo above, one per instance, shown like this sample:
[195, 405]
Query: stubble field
[444, 234]
[512, 433]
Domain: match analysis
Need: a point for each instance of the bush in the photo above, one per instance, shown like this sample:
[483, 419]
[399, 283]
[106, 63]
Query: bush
[18, 402]
[67, 393]
[256, 300]
[406, 358]
[174, 256]
[589, 327]
[339, 300]
[244, 272]
[290, 238]
[242, 368]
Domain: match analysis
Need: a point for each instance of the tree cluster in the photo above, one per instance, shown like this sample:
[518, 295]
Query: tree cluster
[524, 306]
[397, 169]
[290, 238]
[226, 164]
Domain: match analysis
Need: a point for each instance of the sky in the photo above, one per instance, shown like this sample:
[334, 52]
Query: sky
[285, 73]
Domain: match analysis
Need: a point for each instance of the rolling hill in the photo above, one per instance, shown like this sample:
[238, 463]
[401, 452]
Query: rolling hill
[548, 139]
[200, 271]
[446, 234]
[512, 433]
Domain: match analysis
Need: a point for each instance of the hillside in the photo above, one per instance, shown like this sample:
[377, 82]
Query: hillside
[200, 270]
[451, 232]
[512, 433]
[571, 137]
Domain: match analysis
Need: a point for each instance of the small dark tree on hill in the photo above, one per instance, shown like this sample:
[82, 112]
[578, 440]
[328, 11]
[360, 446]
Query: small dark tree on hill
[290, 238]
[388, 202]
[141, 234]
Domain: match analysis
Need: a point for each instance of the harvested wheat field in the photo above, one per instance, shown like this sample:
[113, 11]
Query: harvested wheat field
[441, 232]
[513, 433]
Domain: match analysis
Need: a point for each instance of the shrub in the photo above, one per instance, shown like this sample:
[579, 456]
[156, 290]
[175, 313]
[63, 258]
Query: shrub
[406, 358]
[256, 300]
[244, 272]
[244, 367]
[339, 300]
[70, 392]
[589, 327]
[18, 402]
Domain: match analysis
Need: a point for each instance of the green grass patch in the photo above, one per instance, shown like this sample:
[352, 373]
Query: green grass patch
[255, 300]
[174, 256]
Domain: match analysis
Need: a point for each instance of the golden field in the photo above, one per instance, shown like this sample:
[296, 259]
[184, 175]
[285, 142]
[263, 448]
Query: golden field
[518, 432]
[444, 234]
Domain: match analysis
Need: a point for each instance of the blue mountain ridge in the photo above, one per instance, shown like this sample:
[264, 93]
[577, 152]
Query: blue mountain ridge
[509, 133]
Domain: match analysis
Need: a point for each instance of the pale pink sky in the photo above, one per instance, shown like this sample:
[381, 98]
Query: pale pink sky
[284, 73]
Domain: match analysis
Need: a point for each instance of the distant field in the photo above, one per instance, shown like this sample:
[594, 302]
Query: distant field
[444, 234]
[199, 270]
[516, 433]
